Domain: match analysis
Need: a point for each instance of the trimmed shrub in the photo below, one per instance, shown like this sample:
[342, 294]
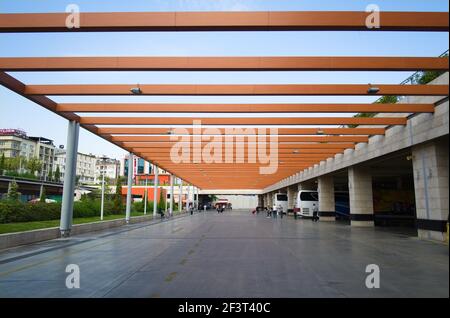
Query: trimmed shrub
[139, 207]
[25, 212]
[12, 211]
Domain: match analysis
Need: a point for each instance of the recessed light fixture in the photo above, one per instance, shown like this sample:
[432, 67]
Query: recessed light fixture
[296, 152]
[319, 132]
[136, 90]
[372, 89]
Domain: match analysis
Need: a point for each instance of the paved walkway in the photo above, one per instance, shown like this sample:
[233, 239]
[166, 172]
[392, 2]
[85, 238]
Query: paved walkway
[234, 254]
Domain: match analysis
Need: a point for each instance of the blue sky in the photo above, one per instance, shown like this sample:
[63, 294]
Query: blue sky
[17, 112]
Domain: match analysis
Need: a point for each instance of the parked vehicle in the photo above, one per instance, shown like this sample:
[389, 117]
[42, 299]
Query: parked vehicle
[280, 199]
[307, 201]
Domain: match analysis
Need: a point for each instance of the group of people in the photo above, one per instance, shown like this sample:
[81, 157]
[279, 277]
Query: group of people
[279, 211]
[274, 213]
[269, 212]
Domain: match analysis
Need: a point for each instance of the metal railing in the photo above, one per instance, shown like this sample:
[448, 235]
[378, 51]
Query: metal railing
[414, 79]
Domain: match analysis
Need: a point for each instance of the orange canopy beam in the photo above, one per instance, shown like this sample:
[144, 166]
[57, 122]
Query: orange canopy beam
[331, 139]
[245, 108]
[239, 144]
[225, 21]
[243, 121]
[302, 151]
[237, 131]
[241, 90]
[149, 153]
[249, 63]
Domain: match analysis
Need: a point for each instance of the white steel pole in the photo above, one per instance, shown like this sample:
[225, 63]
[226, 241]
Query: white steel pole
[171, 196]
[188, 197]
[103, 196]
[129, 188]
[180, 196]
[155, 191]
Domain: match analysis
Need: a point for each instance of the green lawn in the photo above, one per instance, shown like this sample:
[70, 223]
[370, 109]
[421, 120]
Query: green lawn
[27, 226]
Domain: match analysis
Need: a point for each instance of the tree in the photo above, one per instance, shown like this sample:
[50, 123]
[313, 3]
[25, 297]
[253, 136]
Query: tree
[13, 193]
[57, 174]
[2, 164]
[34, 165]
[43, 195]
[13, 164]
[50, 176]
[161, 202]
[387, 100]
[428, 76]
[117, 200]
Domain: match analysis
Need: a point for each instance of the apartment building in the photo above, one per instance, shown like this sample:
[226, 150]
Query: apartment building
[86, 166]
[107, 166]
[14, 143]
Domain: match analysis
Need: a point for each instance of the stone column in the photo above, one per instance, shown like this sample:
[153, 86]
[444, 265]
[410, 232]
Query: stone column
[291, 193]
[327, 210]
[361, 198]
[430, 165]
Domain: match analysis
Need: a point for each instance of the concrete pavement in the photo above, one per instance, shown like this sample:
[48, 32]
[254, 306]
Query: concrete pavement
[234, 254]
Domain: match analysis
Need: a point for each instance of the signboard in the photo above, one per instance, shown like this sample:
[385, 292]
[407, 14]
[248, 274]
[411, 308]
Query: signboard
[8, 132]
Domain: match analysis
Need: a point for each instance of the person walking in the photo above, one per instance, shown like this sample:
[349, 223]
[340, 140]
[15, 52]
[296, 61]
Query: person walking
[315, 213]
[161, 212]
[280, 211]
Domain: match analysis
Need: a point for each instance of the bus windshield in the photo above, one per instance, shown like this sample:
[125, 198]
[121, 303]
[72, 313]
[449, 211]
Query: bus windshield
[309, 196]
[282, 197]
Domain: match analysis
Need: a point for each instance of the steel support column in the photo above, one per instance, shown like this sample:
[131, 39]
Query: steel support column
[129, 188]
[69, 178]
[171, 196]
[155, 191]
[180, 196]
[188, 197]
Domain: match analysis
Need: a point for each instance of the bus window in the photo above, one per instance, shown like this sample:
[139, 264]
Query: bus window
[309, 196]
[282, 197]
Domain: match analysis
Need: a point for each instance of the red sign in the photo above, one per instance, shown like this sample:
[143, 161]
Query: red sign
[12, 132]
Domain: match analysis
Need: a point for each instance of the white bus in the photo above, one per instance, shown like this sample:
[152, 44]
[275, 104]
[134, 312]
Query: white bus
[280, 199]
[307, 202]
